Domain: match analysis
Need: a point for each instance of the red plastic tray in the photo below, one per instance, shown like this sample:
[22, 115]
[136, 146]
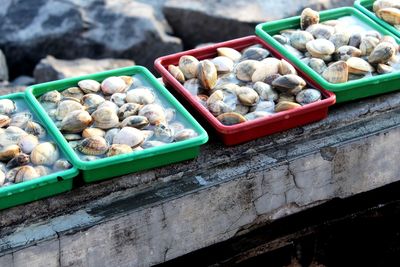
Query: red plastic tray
[243, 132]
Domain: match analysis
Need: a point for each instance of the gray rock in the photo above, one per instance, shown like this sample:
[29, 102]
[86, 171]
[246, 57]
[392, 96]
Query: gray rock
[23, 80]
[3, 67]
[201, 21]
[32, 29]
[51, 68]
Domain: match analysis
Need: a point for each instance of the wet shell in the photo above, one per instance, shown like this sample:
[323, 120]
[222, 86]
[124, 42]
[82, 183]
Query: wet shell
[108, 104]
[265, 68]
[231, 118]
[22, 174]
[265, 91]
[188, 65]
[193, 86]
[8, 152]
[390, 39]
[90, 132]
[308, 17]
[11, 136]
[256, 114]
[289, 84]
[286, 68]
[317, 64]
[66, 107]
[346, 52]
[72, 137]
[42, 170]
[163, 133]
[7, 106]
[19, 160]
[118, 149]
[4, 121]
[338, 72]
[247, 96]
[20, 119]
[202, 99]
[229, 52]
[92, 101]
[154, 113]
[113, 85]
[207, 74]
[241, 109]
[286, 105]
[76, 121]
[308, 96]
[118, 99]
[52, 97]
[299, 39]
[286, 97]
[223, 64]
[89, 86]
[245, 69]
[129, 136]
[368, 44]
[340, 39]
[140, 95]
[28, 142]
[382, 53]
[221, 101]
[35, 129]
[105, 118]
[110, 135]
[138, 122]
[320, 48]
[355, 39]
[270, 79]
[128, 109]
[129, 80]
[94, 145]
[61, 164]
[176, 73]
[74, 92]
[184, 135]
[254, 53]
[150, 144]
[383, 69]
[359, 66]
[390, 15]
[294, 51]
[44, 154]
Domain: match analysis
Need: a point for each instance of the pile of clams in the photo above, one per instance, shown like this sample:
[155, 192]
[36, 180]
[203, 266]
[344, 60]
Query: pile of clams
[26, 152]
[240, 86]
[117, 116]
[389, 11]
[341, 50]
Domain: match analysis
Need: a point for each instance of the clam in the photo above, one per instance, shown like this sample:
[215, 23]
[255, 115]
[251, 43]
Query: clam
[308, 96]
[153, 143]
[8, 152]
[22, 174]
[7, 106]
[42, 170]
[221, 101]
[128, 109]
[148, 134]
[382, 53]
[19, 160]
[94, 145]
[247, 96]
[154, 113]
[105, 118]
[265, 91]
[241, 109]
[11, 136]
[256, 114]
[286, 68]
[140, 95]
[271, 78]
[92, 101]
[289, 84]
[317, 64]
[207, 74]
[308, 17]
[390, 39]
[202, 99]
[35, 129]
[281, 39]
[61, 164]
[163, 133]
[66, 107]
[286, 105]
[193, 86]
[189, 66]
[112, 85]
[76, 121]
[223, 64]
[231, 118]
[286, 97]
[44, 154]
[72, 137]
[176, 73]
[184, 135]
[129, 136]
[118, 99]
[383, 69]
[109, 136]
[390, 15]
[254, 53]
[176, 126]
[4, 121]
[108, 104]
[28, 142]
[265, 68]
[245, 69]
[299, 39]
[358, 65]
[355, 39]
[320, 48]
[138, 122]
[346, 52]
[73, 92]
[20, 119]
[118, 149]
[229, 52]
[89, 86]
[2, 178]
[294, 51]
[340, 39]
[368, 44]
[90, 132]
[320, 31]
[267, 106]
[379, 4]
[52, 97]
[129, 80]
[337, 72]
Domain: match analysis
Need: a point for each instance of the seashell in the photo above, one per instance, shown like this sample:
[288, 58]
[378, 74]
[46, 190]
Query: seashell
[265, 91]
[254, 53]
[346, 52]
[118, 149]
[317, 64]
[185, 134]
[113, 85]
[281, 39]
[9, 152]
[241, 109]
[267, 106]
[337, 72]
[72, 137]
[265, 68]
[308, 96]
[138, 122]
[20, 119]
[109, 104]
[73, 92]
[368, 44]
[308, 17]
[109, 136]
[257, 114]
[202, 99]
[42, 170]
[2, 178]
[379, 4]
[320, 48]
[35, 129]
[44, 154]
[207, 74]
[176, 73]
[148, 134]
[289, 84]
[340, 39]
[358, 65]
[4, 121]
[140, 95]
[19, 160]
[129, 80]
[170, 114]
[382, 53]
[76, 121]
[373, 33]
[154, 113]
[189, 66]
[90, 132]
[390, 14]
[28, 142]
[320, 31]
[286, 68]
[150, 144]
[51, 96]
[89, 86]
[66, 107]
[118, 99]
[129, 136]
[221, 101]
[355, 39]
[286, 105]
[383, 69]
[299, 39]
[390, 39]
[271, 78]
[223, 64]
[22, 174]
[163, 133]
[193, 86]
[61, 164]
[11, 136]
[95, 145]
[88, 157]
[247, 96]
[176, 126]
[227, 88]
[245, 69]
[229, 52]
[7, 106]
[128, 109]
[231, 118]
[294, 51]
[105, 118]
[92, 101]
[286, 97]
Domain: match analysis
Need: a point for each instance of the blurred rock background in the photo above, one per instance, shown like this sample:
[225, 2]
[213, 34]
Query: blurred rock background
[43, 40]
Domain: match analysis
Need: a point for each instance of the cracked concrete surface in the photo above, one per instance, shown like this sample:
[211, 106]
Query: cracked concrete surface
[151, 217]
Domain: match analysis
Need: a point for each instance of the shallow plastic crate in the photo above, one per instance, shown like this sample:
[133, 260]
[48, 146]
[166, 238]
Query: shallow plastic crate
[40, 187]
[243, 132]
[105, 168]
[350, 90]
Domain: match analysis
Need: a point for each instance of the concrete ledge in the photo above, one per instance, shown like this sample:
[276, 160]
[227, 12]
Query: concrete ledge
[150, 217]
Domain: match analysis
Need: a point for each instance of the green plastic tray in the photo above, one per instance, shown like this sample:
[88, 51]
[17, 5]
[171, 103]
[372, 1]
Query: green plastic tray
[344, 91]
[365, 6]
[41, 187]
[127, 163]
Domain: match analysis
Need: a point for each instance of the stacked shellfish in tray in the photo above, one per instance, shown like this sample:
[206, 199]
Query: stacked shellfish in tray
[242, 82]
[389, 11]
